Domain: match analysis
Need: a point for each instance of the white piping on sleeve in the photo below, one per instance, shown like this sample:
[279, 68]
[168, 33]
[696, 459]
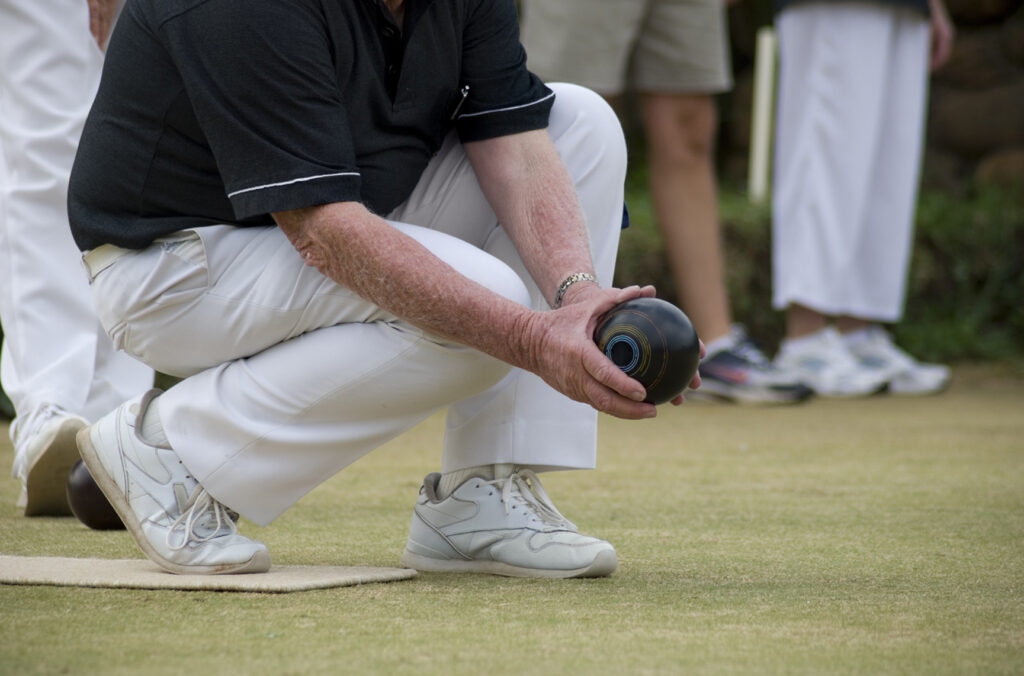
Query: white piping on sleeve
[294, 180]
[502, 110]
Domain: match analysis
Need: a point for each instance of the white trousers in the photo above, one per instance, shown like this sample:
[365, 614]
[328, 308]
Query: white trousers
[54, 349]
[290, 377]
[849, 129]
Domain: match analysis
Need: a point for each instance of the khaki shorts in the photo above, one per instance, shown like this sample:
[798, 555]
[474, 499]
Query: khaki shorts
[646, 45]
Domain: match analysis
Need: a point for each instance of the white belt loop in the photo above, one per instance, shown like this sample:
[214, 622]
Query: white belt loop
[102, 257]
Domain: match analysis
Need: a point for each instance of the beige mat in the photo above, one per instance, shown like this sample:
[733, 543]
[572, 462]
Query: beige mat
[144, 574]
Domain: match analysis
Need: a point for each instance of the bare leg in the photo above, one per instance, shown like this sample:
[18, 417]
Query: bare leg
[803, 321]
[680, 133]
[848, 324]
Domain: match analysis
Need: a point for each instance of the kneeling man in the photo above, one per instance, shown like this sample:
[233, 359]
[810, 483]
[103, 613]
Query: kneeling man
[332, 220]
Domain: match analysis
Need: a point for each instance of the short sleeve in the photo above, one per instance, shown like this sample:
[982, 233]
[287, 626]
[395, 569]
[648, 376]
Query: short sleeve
[263, 85]
[503, 97]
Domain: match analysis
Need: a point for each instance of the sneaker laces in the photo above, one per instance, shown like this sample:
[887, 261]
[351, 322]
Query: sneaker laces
[203, 512]
[524, 484]
[25, 427]
[34, 421]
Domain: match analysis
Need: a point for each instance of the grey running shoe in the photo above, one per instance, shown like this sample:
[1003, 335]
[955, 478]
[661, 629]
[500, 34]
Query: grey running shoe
[45, 450]
[743, 375]
[823, 363]
[173, 519]
[504, 527]
[906, 374]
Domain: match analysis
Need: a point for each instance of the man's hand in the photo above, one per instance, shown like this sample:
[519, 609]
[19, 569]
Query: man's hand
[565, 356]
[559, 347]
[529, 188]
[101, 19]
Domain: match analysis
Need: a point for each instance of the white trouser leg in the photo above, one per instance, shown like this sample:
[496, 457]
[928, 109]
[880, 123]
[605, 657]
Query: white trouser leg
[879, 292]
[852, 84]
[522, 420]
[290, 377]
[54, 349]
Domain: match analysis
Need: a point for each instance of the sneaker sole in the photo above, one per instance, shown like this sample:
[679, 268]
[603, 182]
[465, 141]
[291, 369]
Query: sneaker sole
[46, 483]
[708, 391]
[883, 388]
[604, 564]
[259, 563]
[915, 392]
[895, 387]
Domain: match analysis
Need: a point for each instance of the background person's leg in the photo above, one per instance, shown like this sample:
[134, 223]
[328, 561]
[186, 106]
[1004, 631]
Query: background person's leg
[57, 364]
[681, 128]
[54, 349]
[832, 60]
[878, 289]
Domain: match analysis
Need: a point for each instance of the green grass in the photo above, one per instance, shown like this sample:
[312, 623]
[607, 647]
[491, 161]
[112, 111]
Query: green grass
[876, 536]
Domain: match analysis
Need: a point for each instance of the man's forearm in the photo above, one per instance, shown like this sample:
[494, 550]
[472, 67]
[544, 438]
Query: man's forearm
[529, 189]
[388, 268]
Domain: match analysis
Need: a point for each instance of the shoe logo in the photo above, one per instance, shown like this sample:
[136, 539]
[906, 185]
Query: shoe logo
[143, 457]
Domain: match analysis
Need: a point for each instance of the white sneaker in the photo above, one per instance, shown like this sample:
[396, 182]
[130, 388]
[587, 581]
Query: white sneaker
[44, 452]
[505, 527]
[823, 363]
[874, 349]
[173, 519]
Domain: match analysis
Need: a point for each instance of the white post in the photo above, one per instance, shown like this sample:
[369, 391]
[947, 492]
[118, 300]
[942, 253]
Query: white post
[761, 117]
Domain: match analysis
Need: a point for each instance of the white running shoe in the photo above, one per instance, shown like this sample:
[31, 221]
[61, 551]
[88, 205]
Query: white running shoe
[504, 526]
[44, 452]
[824, 363]
[173, 519]
[874, 349]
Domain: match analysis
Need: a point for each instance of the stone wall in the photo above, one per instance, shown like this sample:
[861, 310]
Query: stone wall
[976, 109]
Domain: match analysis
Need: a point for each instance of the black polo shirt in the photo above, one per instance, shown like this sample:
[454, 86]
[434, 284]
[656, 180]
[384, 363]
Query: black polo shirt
[223, 111]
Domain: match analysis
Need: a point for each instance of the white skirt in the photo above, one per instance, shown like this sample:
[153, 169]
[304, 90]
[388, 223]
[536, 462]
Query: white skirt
[849, 127]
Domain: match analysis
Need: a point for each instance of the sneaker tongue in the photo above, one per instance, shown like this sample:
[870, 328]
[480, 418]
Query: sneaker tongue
[526, 486]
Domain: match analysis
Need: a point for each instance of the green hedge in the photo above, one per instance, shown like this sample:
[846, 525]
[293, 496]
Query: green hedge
[965, 296]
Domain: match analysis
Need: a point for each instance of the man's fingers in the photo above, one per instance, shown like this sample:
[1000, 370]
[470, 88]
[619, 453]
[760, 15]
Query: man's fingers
[612, 403]
[695, 382]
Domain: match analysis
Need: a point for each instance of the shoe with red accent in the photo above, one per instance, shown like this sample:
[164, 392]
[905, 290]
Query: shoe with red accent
[742, 374]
